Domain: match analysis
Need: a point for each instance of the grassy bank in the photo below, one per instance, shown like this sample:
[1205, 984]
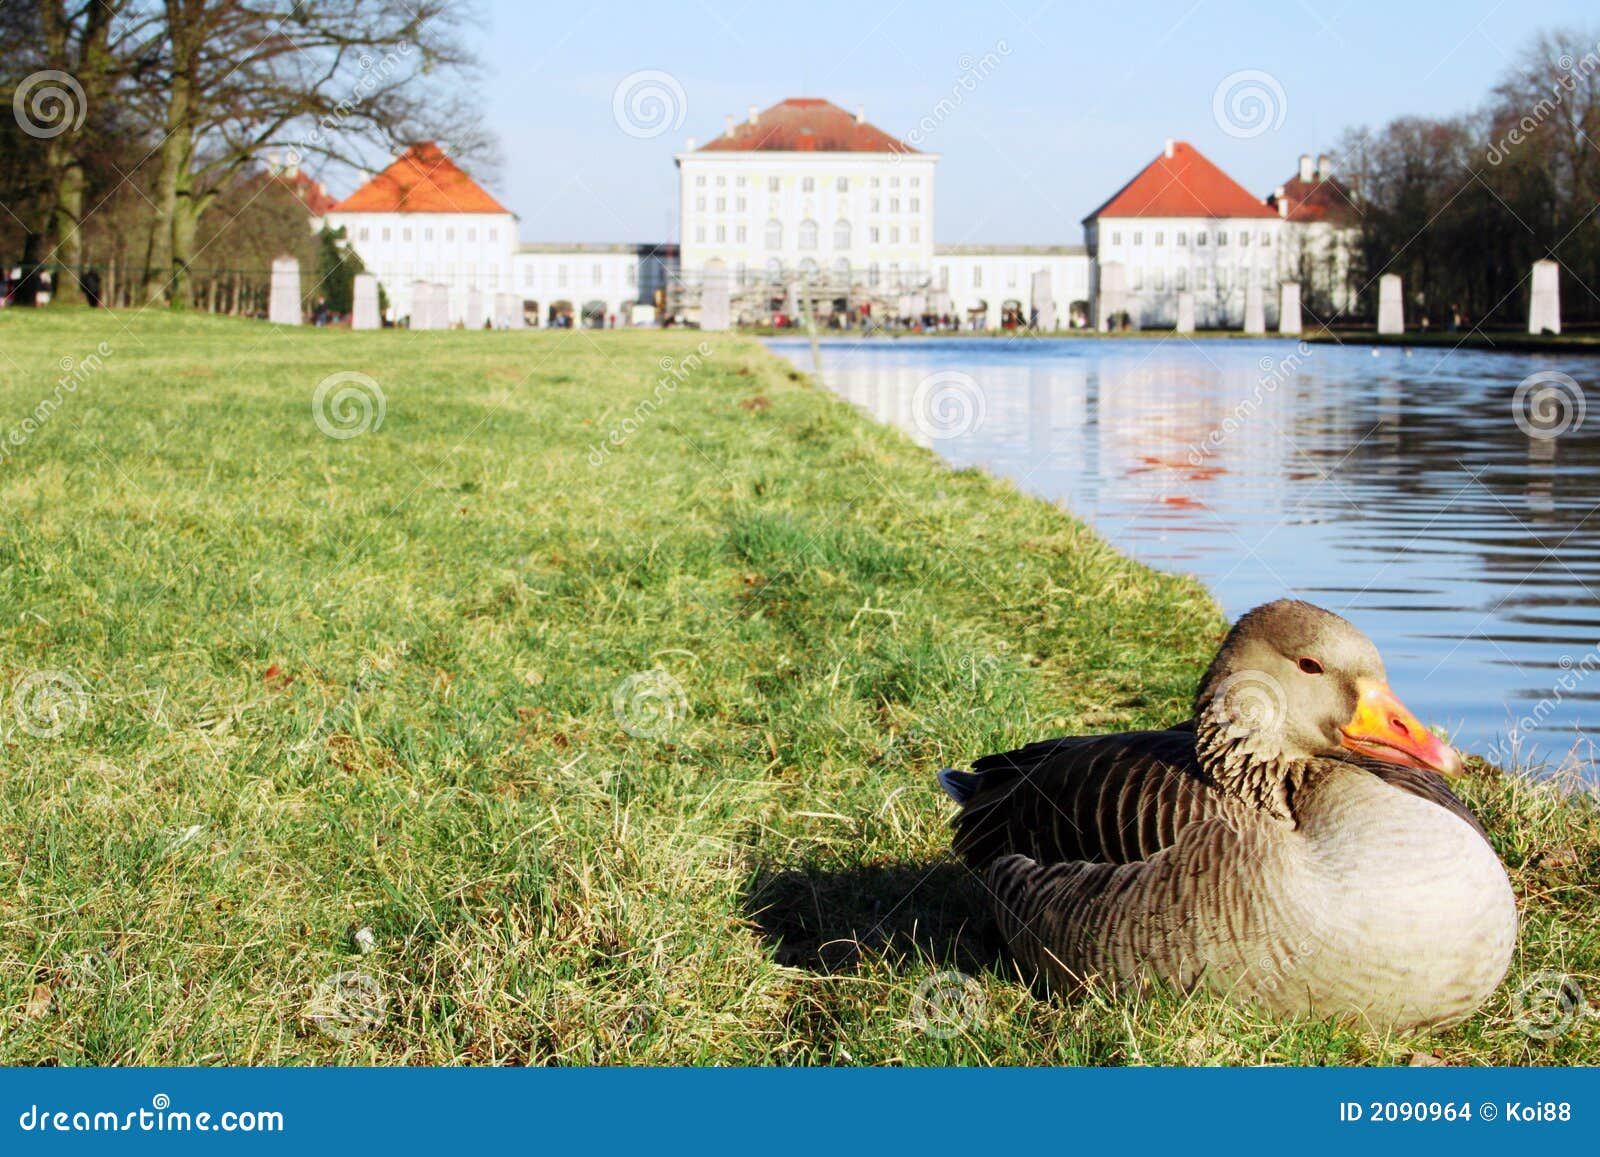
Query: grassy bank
[562, 716]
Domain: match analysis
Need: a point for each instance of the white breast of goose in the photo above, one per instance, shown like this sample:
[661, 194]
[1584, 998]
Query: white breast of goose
[1413, 918]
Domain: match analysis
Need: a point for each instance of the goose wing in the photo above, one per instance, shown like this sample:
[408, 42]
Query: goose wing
[1109, 799]
[1114, 799]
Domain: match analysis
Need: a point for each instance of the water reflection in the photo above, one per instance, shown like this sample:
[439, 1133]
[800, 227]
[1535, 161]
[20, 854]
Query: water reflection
[1394, 487]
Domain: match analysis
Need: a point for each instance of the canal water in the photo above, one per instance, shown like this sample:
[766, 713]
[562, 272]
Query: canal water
[1447, 502]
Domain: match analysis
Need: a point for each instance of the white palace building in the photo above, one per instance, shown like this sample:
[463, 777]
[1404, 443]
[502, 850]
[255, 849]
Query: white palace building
[425, 222]
[807, 207]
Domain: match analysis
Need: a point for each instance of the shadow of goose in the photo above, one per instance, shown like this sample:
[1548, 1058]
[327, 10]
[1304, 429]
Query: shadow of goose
[833, 919]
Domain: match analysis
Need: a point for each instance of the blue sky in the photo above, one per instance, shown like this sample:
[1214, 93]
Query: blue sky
[1079, 98]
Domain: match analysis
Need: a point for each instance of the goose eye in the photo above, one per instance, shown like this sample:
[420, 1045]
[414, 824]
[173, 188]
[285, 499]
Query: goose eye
[1311, 666]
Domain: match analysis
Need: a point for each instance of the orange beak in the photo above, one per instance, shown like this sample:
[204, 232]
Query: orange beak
[1383, 729]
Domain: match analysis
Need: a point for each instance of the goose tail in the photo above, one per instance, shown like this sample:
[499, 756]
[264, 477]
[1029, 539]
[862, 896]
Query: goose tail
[960, 786]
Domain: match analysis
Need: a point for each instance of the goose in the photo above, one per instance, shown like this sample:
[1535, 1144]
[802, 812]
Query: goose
[1293, 847]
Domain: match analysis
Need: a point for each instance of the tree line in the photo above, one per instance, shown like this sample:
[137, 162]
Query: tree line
[152, 151]
[1461, 206]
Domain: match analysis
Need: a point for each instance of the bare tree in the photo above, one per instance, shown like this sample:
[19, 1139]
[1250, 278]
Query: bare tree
[335, 80]
[65, 62]
[78, 43]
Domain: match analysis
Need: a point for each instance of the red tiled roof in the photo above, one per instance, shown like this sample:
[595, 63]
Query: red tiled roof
[1319, 199]
[311, 193]
[806, 124]
[1186, 184]
[424, 180]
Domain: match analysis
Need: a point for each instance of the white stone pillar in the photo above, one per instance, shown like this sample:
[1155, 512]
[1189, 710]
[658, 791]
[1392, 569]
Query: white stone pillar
[1044, 303]
[430, 306]
[508, 312]
[364, 303]
[1111, 297]
[1255, 309]
[1391, 314]
[1185, 312]
[716, 310]
[1289, 318]
[283, 305]
[1544, 304]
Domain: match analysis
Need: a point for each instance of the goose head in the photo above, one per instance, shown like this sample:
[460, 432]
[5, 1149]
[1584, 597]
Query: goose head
[1294, 683]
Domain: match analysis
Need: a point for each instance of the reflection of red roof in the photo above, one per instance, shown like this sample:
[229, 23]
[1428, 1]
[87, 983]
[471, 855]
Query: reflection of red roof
[805, 124]
[1184, 184]
[1319, 199]
[424, 180]
[311, 193]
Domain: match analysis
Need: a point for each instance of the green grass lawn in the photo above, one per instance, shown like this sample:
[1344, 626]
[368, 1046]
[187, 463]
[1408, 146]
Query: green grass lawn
[484, 737]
